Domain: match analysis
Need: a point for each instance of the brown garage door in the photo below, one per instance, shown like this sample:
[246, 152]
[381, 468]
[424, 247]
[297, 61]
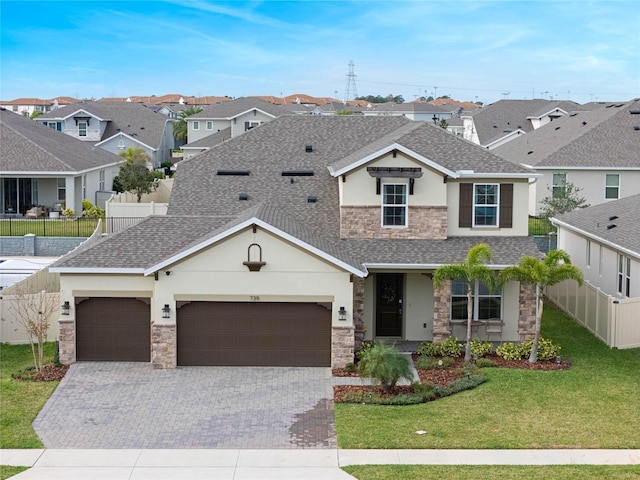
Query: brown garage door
[113, 329]
[254, 334]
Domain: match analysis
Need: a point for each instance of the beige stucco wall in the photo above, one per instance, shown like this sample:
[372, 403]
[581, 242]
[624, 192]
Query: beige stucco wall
[418, 307]
[360, 188]
[520, 209]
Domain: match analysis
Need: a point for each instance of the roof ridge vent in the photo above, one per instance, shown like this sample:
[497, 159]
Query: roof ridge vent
[308, 148]
[297, 173]
[235, 173]
[613, 225]
[243, 196]
[312, 199]
[613, 217]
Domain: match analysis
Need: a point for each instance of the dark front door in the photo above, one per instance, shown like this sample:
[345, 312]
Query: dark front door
[389, 304]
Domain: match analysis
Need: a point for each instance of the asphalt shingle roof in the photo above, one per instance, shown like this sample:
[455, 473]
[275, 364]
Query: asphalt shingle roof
[28, 146]
[233, 108]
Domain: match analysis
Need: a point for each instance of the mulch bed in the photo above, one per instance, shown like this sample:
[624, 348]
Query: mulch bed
[49, 373]
[443, 376]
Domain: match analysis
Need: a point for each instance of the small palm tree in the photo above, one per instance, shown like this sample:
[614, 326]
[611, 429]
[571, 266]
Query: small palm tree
[180, 127]
[554, 268]
[470, 271]
[384, 363]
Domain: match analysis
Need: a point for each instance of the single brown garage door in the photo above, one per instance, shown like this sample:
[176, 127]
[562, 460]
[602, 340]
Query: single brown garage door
[254, 334]
[113, 329]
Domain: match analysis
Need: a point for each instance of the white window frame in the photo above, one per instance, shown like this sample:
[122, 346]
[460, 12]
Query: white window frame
[588, 254]
[495, 205]
[476, 297]
[624, 275]
[196, 125]
[558, 182]
[613, 188]
[81, 129]
[209, 125]
[62, 189]
[101, 180]
[404, 205]
[601, 261]
[627, 278]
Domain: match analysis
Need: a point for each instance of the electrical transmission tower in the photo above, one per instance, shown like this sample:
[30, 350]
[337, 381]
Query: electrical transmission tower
[351, 91]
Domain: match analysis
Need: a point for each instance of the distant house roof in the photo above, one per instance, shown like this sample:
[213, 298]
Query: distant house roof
[28, 146]
[210, 140]
[604, 137]
[234, 108]
[617, 223]
[130, 118]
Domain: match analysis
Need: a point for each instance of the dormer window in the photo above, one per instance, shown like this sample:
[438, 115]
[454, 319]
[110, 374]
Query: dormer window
[82, 129]
[394, 205]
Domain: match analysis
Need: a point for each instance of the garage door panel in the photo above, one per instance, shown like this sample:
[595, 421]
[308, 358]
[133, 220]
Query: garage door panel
[273, 334]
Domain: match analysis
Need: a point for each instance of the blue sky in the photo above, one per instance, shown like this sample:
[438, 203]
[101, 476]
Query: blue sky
[469, 50]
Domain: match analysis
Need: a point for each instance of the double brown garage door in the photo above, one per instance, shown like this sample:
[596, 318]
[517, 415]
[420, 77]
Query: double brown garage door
[208, 333]
[254, 334]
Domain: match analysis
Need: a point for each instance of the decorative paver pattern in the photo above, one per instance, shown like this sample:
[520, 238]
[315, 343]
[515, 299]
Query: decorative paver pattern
[133, 405]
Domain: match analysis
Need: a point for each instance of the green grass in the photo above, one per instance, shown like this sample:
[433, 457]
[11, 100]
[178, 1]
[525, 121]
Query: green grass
[595, 404]
[6, 471]
[540, 226]
[503, 472]
[46, 227]
[20, 402]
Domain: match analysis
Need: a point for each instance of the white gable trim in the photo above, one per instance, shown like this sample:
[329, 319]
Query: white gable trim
[384, 151]
[128, 271]
[83, 112]
[553, 110]
[516, 133]
[608, 169]
[264, 225]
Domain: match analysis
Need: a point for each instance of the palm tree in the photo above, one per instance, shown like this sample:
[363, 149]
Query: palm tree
[472, 270]
[554, 268]
[180, 127]
[135, 155]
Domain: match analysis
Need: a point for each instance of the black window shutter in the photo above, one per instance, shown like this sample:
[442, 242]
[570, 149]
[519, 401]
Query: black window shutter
[506, 205]
[465, 215]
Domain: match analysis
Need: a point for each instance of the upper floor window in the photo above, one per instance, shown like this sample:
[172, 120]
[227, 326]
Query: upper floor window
[196, 125]
[209, 125]
[624, 275]
[559, 184]
[612, 186]
[486, 304]
[394, 205]
[250, 125]
[485, 204]
[82, 129]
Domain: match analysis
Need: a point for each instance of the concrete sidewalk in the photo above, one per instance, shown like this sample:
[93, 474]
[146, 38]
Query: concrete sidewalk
[311, 464]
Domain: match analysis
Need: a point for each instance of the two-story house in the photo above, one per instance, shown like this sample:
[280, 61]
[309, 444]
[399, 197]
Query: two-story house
[43, 167]
[115, 126]
[292, 243]
[598, 151]
[28, 106]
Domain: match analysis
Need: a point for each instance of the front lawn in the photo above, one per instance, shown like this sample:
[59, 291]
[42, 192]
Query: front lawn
[595, 404]
[20, 402]
[47, 227]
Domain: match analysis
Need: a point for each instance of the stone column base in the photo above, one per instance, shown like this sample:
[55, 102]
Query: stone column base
[164, 346]
[342, 346]
[67, 341]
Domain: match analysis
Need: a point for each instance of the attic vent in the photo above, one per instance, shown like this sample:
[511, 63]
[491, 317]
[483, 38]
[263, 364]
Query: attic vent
[613, 217]
[312, 199]
[495, 126]
[529, 152]
[297, 173]
[573, 114]
[243, 196]
[557, 128]
[584, 123]
[637, 127]
[237, 173]
[141, 128]
[613, 225]
[308, 148]
[634, 112]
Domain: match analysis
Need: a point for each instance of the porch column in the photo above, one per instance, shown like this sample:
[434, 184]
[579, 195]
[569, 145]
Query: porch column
[342, 340]
[527, 312]
[441, 309]
[164, 353]
[67, 341]
[358, 311]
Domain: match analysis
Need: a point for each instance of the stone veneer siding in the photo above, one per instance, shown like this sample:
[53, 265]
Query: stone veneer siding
[67, 341]
[527, 314]
[366, 222]
[441, 312]
[342, 341]
[163, 346]
[358, 311]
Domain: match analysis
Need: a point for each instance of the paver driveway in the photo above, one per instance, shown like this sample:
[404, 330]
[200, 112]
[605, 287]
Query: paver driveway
[131, 405]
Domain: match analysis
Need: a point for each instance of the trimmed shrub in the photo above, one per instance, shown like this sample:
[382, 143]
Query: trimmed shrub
[480, 348]
[364, 348]
[350, 367]
[509, 351]
[426, 363]
[468, 369]
[547, 350]
[450, 347]
[484, 363]
[429, 349]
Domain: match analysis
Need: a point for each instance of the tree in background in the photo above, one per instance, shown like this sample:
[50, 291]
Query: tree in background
[562, 200]
[380, 99]
[134, 176]
[472, 270]
[180, 127]
[554, 268]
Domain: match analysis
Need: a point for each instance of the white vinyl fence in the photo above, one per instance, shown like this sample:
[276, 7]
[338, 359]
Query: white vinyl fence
[613, 320]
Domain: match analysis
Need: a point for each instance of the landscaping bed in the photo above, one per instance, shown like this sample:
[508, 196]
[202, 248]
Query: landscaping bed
[49, 373]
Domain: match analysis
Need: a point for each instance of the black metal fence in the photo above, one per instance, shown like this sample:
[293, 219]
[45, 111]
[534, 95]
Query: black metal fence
[62, 227]
[540, 226]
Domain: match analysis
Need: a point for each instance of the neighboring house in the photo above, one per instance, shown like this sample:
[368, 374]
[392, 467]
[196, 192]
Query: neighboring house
[604, 242]
[241, 114]
[115, 126]
[292, 243]
[418, 111]
[505, 120]
[205, 143]
[598, 151]
[40, 166]
[27, 106]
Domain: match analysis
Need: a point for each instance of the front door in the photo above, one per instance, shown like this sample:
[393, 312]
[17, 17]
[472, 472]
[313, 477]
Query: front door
[389, 304]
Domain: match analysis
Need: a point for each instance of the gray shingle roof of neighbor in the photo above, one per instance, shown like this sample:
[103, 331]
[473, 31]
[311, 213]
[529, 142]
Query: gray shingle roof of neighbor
[28, 146]
[415, 107]
[605, 137]
[496, 120]
[211, 140]
[204, 204]
[130, 118]
[596, 221]
[233, 108]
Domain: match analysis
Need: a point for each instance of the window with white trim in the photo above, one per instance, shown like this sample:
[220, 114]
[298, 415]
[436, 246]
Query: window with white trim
[62, 189]
[101, 180]
[394, 205]
[209, 125]
[485, 204]
[196, 125]
[486, 304]
[82, 129]
[559, 184]
[624, 275]
[612, 185]
[588, 254]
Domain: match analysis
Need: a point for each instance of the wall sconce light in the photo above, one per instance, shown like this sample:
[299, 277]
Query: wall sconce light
[65, 308]
[342, 314]
[165, 311]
